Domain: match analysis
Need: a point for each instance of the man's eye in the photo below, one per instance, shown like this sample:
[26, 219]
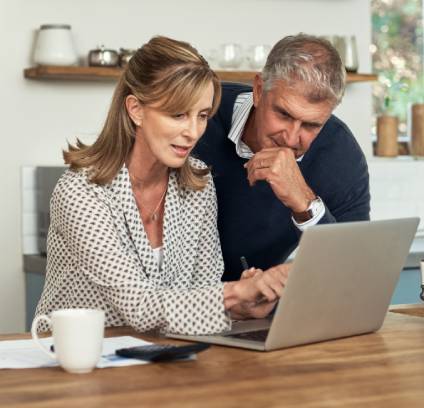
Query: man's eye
[310, 126]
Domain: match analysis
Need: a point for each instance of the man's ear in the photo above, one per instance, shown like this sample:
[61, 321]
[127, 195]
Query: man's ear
[134, 109]
[258, 87]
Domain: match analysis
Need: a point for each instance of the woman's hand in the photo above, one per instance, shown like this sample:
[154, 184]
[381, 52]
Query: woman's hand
[249, 273]
[257, 292]
[252, 310]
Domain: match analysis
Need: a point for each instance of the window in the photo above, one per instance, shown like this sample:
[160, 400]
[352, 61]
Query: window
[397, 56]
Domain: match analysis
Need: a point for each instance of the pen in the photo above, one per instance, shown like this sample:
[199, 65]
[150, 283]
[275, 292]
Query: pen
[244, 263]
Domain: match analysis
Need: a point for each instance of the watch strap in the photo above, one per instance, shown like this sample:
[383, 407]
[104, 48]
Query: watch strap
[314, 209]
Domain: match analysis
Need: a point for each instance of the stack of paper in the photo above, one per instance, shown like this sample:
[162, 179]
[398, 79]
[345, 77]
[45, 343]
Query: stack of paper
[26, 354]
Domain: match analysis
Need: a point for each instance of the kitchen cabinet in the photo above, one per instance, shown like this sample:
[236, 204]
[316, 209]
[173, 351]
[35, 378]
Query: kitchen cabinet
[35, 275]
[79, 73]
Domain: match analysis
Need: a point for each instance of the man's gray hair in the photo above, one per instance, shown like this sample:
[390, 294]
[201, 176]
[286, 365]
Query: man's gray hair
[308, 61]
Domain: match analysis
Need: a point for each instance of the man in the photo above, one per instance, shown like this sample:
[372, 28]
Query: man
[281, 161]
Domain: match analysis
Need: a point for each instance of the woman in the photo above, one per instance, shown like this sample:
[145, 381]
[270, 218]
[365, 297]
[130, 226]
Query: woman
[133, 222]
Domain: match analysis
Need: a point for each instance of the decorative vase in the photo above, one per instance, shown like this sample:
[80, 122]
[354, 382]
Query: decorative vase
[417, 130]
[387, 136]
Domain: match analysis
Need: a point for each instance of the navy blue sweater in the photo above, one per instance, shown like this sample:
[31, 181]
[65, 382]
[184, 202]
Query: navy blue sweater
[252, 222]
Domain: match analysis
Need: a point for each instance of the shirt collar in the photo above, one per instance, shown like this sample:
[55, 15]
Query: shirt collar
[242, 108]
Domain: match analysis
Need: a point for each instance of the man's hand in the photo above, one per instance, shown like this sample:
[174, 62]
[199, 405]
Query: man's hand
[279, 168]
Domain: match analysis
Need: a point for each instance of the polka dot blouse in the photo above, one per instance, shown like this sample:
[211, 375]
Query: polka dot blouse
[98, 256]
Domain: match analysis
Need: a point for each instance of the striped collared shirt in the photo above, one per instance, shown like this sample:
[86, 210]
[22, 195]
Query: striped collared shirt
[242, 108]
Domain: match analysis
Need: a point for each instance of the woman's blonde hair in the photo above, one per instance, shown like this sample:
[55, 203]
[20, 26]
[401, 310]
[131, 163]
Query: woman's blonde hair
[163, 70]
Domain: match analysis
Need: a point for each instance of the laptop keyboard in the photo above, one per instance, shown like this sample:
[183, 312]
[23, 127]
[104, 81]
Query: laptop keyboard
[259, 335]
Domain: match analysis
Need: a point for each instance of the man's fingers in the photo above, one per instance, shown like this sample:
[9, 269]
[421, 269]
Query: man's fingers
[263, 163]
[262, 159]
[259, 174]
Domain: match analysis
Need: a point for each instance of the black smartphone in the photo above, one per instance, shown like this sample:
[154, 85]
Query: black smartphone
[161, 352]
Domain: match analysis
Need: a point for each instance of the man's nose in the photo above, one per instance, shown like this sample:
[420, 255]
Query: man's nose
[292, 135]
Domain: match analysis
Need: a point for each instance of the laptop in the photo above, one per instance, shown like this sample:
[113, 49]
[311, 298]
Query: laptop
[341, 283]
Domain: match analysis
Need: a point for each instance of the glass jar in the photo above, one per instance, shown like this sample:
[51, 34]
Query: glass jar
[230, 56]
[257, 55]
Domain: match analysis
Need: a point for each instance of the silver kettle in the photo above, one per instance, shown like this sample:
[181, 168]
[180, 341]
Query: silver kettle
[103, 57]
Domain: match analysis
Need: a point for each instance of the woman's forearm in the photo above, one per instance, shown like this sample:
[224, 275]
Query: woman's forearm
[231, 296]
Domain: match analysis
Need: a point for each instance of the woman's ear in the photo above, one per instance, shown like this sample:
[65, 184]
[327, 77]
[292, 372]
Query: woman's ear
[134, 109]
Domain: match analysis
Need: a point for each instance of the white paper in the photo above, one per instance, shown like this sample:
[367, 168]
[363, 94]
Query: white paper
[26, 354]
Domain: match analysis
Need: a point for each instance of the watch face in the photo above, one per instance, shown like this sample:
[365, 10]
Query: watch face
[315, 207]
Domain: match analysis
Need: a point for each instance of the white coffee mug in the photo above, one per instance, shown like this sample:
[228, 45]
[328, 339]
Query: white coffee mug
[77, 337]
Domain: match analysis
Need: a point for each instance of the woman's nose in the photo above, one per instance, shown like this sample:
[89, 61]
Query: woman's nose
[192, 130]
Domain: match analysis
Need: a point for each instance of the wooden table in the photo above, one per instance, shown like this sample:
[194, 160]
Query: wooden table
[383, 369]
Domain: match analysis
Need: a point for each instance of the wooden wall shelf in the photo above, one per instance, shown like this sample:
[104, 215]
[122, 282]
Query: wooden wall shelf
[79, 73]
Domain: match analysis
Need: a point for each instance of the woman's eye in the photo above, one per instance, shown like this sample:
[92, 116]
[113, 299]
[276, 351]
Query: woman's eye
[204, 116]
[179, 115]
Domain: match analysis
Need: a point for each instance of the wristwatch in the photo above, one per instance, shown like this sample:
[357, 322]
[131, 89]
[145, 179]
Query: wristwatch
[315, 208]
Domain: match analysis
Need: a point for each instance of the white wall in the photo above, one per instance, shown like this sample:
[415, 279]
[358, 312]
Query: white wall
[38, 116]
